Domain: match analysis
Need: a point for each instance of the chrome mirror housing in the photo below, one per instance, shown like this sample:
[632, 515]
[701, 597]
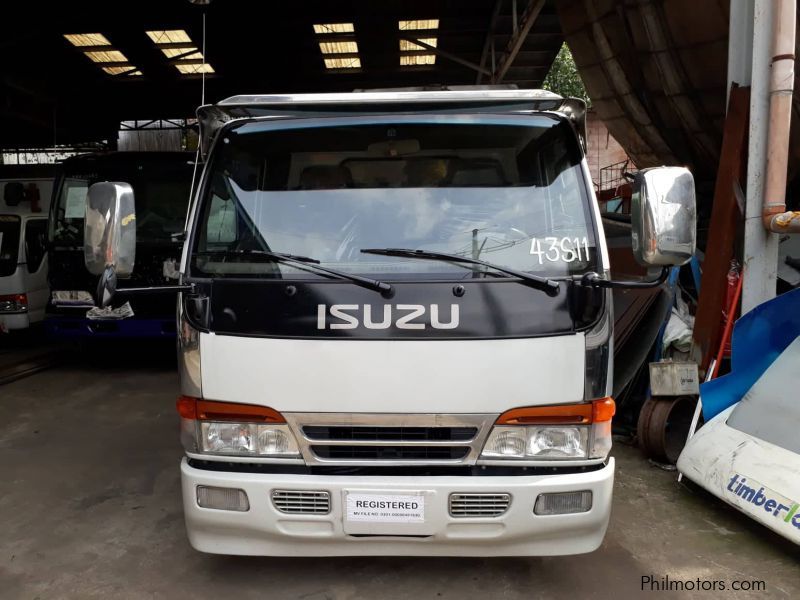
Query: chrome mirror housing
[109, 235]
[663, 216]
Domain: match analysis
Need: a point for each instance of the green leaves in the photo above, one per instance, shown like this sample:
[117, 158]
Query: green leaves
[563, 78]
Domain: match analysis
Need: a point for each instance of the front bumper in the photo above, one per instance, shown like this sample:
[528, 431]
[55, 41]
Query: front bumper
[265, 531]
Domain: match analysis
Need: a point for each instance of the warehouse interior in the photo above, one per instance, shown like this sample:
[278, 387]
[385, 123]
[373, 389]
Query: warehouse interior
[90, 486]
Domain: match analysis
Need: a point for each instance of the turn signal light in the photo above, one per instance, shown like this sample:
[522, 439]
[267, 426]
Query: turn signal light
[208, 410]
[597, 411]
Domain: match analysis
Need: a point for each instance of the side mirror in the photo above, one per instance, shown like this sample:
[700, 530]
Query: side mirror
[109, 235]
[663, 216]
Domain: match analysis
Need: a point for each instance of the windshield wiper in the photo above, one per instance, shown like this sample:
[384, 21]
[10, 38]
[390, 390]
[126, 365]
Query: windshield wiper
[549, 286]
[311, 264]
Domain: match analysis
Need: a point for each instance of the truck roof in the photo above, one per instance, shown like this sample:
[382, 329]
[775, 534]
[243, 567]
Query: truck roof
[250, 106]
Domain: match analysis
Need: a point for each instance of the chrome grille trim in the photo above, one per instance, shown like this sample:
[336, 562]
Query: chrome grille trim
[350, 434]
[302, 502]
[479, 423]
[478, 505]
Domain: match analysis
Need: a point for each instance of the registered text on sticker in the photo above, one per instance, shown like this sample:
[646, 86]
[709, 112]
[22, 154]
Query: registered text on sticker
[385, 508]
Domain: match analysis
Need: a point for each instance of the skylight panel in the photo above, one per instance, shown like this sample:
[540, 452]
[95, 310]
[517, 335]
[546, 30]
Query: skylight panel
[169, 36]
[409, 60]
[326, 28]
[97, 48]
[106, 56]
[173, 52]
[87, 39]
[418, 24]
[180, 48]
[338, 53]
[194, 69]
[343, 63]
[338, 47]
[409, 46]
[118, 70]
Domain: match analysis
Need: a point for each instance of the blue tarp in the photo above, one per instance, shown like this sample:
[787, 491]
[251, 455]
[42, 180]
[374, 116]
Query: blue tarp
[759, 337]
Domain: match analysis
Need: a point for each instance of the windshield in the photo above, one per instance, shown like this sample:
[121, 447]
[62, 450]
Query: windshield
[9, 244]
[161, 192]
[505, 190]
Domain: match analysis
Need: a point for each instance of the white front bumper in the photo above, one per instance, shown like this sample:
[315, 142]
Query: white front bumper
[263, 530]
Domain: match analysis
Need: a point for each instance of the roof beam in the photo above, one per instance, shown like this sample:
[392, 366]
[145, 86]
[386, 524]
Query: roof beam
[180, 57]
[515, 43]
[489, 35]
[116, 63]
[176, 45]
[186, 61]
[445, 53]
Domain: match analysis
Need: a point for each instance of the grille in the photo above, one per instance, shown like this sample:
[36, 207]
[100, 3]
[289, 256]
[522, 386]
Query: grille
[479, 505]
[390, 434]
[390, 452]
[301, 502]
[389, 439]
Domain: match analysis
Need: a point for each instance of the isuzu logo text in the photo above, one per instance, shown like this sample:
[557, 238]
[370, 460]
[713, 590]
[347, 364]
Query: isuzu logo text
[401, 316]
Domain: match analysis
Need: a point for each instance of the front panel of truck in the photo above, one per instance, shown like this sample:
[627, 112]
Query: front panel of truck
[316, 342]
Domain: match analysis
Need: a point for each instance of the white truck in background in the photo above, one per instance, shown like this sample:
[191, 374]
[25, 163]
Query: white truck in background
[395, 323]
[24, 203]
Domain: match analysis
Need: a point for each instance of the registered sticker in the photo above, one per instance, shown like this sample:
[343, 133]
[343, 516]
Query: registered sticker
[386, 508]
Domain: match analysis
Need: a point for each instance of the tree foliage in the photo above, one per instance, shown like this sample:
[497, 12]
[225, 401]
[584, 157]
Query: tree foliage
[563, 78]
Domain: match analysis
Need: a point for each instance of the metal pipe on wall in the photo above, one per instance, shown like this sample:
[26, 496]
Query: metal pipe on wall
[774, 214]
[760, 258]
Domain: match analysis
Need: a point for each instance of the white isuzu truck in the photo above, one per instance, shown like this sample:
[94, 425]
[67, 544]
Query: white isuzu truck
[395, 323]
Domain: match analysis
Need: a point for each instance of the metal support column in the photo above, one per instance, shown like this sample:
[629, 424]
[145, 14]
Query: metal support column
[740, 43]
[760, 246]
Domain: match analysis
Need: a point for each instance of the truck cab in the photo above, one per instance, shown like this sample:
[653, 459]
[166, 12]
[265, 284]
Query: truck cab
[24, 199]
[395, 325]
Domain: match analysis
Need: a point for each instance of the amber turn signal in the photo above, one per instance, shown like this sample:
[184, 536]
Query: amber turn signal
[596, 411]
[208, 410]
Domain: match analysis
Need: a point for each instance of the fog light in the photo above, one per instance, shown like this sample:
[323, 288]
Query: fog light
[563, 503]
[222, 498]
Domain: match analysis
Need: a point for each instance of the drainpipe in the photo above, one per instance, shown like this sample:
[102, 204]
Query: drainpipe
[774, 215]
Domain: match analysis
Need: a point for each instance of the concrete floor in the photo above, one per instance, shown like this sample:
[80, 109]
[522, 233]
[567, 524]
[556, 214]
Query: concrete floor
[90, 508]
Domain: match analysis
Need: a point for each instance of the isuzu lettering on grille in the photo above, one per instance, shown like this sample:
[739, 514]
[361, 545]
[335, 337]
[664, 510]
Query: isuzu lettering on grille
[401, 316]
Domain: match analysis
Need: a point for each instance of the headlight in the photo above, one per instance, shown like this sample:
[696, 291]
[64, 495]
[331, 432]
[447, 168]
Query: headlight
[253, 439]
[561, 432]
[235, 429]
[537, 442]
